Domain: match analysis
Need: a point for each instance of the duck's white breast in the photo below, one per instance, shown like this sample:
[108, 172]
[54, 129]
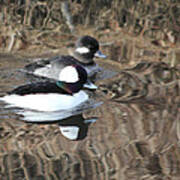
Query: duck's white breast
[46, 102]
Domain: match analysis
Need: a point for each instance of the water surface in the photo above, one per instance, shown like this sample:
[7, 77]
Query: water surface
[136, 135]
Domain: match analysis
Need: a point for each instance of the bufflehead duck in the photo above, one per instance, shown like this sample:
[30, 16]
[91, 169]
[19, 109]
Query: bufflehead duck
[49, 96]
[86, 48]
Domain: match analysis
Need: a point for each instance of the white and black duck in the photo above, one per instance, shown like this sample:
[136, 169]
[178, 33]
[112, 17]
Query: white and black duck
[86, 48]
[64, 97]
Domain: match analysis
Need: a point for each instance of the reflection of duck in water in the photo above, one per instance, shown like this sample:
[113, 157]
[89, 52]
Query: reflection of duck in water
[76, 127]
[86, 49]
[52, 101]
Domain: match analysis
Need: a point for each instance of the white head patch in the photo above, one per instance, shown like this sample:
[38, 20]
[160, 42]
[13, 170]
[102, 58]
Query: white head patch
[69, 74]
[82, 50]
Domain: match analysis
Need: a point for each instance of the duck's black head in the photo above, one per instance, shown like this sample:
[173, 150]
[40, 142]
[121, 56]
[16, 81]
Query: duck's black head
[72, 78]
[86, 48]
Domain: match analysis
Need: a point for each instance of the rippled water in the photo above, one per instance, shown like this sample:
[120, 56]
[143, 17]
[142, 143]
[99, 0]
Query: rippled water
[136, 135]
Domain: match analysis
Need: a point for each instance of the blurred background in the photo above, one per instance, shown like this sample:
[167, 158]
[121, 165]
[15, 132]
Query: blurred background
[128, 30]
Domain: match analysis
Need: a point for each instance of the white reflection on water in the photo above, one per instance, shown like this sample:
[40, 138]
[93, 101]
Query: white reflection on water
[76, 127]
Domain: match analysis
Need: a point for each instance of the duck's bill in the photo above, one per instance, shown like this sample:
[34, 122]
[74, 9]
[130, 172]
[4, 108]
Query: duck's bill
[90, 85]
[100, 54]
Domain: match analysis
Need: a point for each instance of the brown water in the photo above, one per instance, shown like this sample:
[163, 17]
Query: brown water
[136, 136]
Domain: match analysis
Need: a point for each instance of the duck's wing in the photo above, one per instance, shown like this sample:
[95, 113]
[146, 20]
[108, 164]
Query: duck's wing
[50, 63]
[30, 68]
[38, 88]
[50, 67]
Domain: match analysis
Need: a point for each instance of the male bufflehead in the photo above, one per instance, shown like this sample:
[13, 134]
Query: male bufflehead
[49, 96]
[86, 48]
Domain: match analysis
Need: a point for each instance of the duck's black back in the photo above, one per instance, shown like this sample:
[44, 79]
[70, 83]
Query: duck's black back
[38, 88]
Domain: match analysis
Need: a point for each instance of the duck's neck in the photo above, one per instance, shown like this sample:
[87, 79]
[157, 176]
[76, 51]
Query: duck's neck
[70, 88]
